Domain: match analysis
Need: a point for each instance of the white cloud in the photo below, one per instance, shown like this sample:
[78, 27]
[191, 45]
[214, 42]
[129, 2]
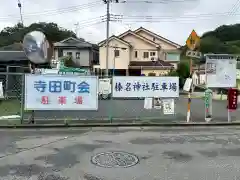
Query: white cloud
[173, 19]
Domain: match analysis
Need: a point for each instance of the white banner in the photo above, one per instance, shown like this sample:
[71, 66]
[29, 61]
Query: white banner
[145, 86]
[61, 92]
[221, 71]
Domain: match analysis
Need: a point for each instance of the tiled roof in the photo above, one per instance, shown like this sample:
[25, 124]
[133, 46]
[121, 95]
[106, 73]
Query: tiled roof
[151, 32]
[112, 37]
[74, 42]
[12, 56]
[137, 35]
[12, 47]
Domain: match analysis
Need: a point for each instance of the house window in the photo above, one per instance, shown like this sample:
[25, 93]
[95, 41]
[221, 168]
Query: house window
[173, 56]
[154, 39]
[69, 53]
[95, 58]
[152, 53]
[136, 54]
[145, 54]
[116, 53]
[77, 55]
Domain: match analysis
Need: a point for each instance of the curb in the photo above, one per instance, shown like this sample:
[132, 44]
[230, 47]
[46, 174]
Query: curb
[117, 125]
[194, 97]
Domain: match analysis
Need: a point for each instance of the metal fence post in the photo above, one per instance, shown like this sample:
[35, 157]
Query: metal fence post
[111, 101]
[7, 83]
[22, 97]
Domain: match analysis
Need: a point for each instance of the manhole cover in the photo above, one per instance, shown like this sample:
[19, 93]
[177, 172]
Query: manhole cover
[115, 159]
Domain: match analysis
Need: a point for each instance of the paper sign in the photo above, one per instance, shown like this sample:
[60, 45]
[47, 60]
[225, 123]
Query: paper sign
[157, 103]
[188, 84]
[148, 103]
[1, 91]
[168, 106]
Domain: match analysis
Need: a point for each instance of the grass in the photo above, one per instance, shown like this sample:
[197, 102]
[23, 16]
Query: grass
[10, 107]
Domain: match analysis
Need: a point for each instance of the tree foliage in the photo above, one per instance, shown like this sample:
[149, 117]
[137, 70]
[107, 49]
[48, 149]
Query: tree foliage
[224, 39]
[54, 33]
[182, 71]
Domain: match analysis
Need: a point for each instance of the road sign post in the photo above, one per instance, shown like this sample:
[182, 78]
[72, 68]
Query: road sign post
[208, 105]
[192, 41]
[193, 54]
[232, 101]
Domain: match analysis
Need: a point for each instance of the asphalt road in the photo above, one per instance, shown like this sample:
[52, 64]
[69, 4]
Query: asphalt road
[134, 109]
[154, 154]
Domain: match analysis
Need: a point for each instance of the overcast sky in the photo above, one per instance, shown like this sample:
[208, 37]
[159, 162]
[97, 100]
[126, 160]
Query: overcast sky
[172, 19]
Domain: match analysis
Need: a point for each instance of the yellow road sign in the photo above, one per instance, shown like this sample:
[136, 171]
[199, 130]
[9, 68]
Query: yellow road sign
[193, 40]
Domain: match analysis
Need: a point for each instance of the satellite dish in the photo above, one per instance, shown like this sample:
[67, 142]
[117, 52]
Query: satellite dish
[37, 48]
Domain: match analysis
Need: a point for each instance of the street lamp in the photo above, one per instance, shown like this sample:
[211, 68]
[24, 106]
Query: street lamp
[20, 10]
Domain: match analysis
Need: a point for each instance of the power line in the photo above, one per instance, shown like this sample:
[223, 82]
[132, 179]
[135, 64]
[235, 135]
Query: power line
[90, 21]
[156, 2]
[235, 7]
[115, 17]
[157, 21]
[99, 18]
[92, 24]
[55, 11]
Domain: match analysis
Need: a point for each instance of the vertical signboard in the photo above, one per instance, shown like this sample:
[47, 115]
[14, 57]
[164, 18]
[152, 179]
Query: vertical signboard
[58, 92]
[232, 98]
[208, 104]
[220, 70]
[232, 101]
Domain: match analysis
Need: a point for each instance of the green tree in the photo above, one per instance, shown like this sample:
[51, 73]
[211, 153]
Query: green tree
[210, 44]
[183, 72]
[224, 39]
[172, 73]
[54, 33]
[183, 69]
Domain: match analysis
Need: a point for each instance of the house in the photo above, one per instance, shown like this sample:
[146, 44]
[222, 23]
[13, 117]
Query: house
[84, 54]
[139, 52]
[199, 76]
[13, 63]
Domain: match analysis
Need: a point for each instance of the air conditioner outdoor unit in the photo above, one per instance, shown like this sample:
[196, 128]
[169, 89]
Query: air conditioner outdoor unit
[153, 59]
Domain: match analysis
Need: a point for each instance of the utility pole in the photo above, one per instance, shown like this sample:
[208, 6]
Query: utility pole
[107, 33]
[76, 28]
[107, 40]
[20, 11]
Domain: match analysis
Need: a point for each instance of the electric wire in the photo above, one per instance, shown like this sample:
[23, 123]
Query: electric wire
[54, 11]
